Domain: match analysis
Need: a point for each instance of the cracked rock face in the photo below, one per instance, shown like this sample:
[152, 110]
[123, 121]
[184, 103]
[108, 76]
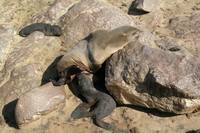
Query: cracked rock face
[37, 102]
[167, 80]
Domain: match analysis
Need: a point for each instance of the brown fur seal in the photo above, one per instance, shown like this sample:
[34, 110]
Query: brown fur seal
[90, 53]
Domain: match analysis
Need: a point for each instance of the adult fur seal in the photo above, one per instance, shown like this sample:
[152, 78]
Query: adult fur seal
[90, 53]
[47, 29]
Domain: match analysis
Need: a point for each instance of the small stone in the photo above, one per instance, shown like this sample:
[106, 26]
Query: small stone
[146, 5]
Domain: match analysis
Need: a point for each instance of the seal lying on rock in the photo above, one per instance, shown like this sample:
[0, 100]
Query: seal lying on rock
[88, 56]
[90, 53]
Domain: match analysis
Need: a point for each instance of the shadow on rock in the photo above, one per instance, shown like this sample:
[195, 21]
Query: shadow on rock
[153, 112]
[9, 114]
[51, 72]
[134, 11]
[194, 131]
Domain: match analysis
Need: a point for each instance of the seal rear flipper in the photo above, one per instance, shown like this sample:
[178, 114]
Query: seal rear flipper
[47, 29]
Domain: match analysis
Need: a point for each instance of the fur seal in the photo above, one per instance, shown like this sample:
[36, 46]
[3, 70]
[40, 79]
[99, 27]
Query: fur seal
[83, 60]
[47, 29]
[97, 104]
[90, 53]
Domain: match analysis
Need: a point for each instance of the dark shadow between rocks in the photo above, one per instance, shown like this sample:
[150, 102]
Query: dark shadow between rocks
[98, 81]
[51, 72]
[194, 131]
[154, 112]
[8, 113]
[151, 87]
[134, 11]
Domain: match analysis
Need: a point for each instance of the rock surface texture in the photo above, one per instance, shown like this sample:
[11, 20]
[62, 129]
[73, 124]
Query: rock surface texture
[25, 65]
[37, 102]
[167, 80]
[187, 28]
[88, 16]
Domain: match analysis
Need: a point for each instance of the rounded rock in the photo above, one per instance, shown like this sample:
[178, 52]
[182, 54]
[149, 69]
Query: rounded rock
[37, 102]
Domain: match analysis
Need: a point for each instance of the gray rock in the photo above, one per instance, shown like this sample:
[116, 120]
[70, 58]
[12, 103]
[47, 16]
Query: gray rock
[54, 12]
[187, 28]
[6, 37]
[15, 13]
[146, 5]
[165, 78]
[37, 102]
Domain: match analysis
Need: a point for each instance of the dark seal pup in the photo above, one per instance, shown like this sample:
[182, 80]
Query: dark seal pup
[97, 104]
[47, 29]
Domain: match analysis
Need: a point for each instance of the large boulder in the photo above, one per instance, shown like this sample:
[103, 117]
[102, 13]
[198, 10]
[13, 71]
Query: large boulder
[165, 77]
[54, 12]
[88, 16]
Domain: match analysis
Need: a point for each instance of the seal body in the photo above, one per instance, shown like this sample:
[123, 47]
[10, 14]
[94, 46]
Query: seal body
[97, 104]
[47, 29]
[90, 53]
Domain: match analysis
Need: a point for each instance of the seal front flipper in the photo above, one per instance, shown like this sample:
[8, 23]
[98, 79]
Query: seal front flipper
[47, 29]
[82, 111]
